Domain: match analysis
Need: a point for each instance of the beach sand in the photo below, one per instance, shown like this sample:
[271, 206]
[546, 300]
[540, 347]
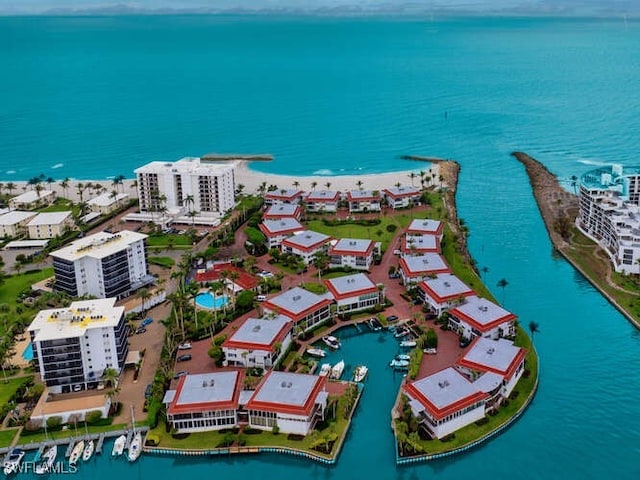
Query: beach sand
[252, 180]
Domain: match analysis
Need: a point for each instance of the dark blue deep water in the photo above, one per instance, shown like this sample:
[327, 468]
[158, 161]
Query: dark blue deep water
[96, 97]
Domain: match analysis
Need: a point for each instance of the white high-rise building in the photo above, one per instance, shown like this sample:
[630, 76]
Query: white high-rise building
[609, 213]
[73, 346]
[188, 185]
[102, 265]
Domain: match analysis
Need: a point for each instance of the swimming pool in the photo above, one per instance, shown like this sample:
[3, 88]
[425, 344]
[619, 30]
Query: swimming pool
[28, 353]
[207, 300]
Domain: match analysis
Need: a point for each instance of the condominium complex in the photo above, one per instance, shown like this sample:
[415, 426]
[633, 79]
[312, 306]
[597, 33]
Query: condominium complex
[188, 185]
[102, 265]
[609, 213]
[73, 346]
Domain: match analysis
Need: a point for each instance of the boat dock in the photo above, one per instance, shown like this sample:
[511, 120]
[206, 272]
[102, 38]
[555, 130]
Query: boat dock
[100, 443]
[72, 444]
[129, 438]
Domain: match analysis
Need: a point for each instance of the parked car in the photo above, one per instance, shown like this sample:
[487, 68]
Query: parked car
[184, 346]
[261, 298]
[146, 322]
[147, 391]
[180, 374]
[464, 342]
[184, 358]
[140, 330]
[392, 318]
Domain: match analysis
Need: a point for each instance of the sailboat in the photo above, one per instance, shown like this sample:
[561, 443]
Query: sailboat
[135, 449]
[48, 457]
[88, 450]
[76, 453]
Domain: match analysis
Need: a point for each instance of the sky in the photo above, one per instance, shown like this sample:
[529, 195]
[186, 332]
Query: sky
[549, 7]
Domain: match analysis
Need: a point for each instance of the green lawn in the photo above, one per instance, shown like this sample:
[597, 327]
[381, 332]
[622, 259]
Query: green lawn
[70, 432]
[7, 436]
[9, 387]
[15, 284]
[166, 262]
[169, 241]
[61, 205]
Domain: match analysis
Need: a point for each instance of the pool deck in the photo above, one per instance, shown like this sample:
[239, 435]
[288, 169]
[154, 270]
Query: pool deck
[17, 359]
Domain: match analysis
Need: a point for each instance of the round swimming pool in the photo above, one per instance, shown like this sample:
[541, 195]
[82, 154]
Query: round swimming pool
[207, 300]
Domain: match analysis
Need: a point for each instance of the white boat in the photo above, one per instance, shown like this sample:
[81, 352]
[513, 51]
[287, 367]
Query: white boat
[399, 364]
[359, 373]
[135, 449]
[331, 341]
[12, 463]
[336, 371]
[374, 324]
[316, 352]
[76, 453]
[118, 446]
[408, 343]
[430, 351]
[325, 369]
[401, 331]
[47, 460]
[88, 450]
[403, 357]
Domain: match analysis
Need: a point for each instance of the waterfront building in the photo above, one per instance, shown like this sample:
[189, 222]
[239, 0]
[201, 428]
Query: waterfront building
[284, 196]
[443, 292]
[204, 402]
[49, 225]
[73, 346]
[363, 201]
[353, 252]
[283, 210]
[479, 317]
[322, 201]
[426, 226]
[107, 202]
[277, 230]
[258, 342]
[419, 244]
[401, 197]
[500, 357]
[32, 199]
[293, 402]
[306, 245]
[14, 223]
[305, 309]
[414, 269]
[102, 265]
[354, 292]
[609, 213]
[445, 402]
[188, 185]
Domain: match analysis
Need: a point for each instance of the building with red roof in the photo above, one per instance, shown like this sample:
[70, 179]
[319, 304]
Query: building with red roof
[443, 292]
[204, 402]
[399, 197]
[322, 201]
[478, 317]
[414, 269]
[226, 272]
[283, 210]
[426, 226]
[419, 244]
[293, 402]
[284, 195]
[277, 230]
[445, 402]
[500, 357]
[305, 309]
[363, 201]
[352, 252]
[306, 244]
[354, 292]
[258, 342]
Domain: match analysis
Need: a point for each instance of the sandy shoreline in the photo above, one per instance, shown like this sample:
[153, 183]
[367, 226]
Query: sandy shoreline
[252, 180]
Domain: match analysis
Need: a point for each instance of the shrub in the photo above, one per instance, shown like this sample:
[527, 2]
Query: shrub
[153, 440]
[391, 228]
[54, 422]
[93, 417]
[275, 430]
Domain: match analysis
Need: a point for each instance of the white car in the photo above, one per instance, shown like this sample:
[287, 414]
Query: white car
[184, 346]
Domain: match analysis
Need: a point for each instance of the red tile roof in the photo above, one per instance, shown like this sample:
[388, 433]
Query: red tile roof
[245, 280]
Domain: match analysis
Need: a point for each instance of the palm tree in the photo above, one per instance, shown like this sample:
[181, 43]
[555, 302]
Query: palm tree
[314, 184]
[110, 377]
[262, 188]
[398, 184]
[189, 200]
[65, 186]
[144, 295]
[422, 174]
[502, 283]
[359, 183]
[320, 261]
[296, 184]
[38, 188]
[81, 187]
[485, 270]
[10, 187]
[574, 184]
[534, 328]
[193, 214]
[134, 184]
[328, 185]
[412, 175]
[49, 181]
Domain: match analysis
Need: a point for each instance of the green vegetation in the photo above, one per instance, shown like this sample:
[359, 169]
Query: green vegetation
[169, 241]
[10, 387]
[39, 436]
[317, 288]
[7, 436]
[14, 285]
[165, 262]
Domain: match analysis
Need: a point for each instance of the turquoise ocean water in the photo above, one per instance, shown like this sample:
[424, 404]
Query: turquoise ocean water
[96, 97]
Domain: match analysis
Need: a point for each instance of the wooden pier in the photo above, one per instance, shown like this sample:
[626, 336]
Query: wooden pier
[100, 444]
